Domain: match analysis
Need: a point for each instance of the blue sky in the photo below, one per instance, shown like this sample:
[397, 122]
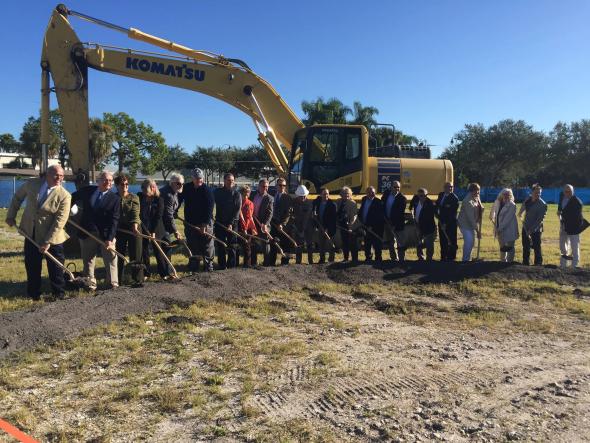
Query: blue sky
[428, 66]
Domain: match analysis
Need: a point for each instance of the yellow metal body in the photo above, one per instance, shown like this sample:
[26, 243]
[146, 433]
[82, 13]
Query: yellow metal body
[67, 59]
[414, 174]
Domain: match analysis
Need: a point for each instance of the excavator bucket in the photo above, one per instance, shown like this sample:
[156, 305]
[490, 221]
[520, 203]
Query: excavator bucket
[61, 47]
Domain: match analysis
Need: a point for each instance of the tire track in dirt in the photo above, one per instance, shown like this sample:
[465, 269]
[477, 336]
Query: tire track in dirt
[344, 392]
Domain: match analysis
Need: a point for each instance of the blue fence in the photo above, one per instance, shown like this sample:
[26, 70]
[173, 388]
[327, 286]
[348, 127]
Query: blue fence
[8, 186]
[550, 195]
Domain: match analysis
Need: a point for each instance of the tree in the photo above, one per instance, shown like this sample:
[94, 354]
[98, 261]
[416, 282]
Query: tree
[568, 155]
[252, 162]
[176, 159]
[203, 158]
[319, 111]
[508, 153]
[8, 143]
[101, 141]
[29, 140]
[137, 146]
[364, 115]
[383, 136]
[30, 137]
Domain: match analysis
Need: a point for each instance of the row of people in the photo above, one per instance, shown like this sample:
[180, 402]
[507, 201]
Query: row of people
[228, 220]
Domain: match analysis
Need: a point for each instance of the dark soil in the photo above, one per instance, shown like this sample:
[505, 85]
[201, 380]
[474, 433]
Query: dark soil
[64, 319]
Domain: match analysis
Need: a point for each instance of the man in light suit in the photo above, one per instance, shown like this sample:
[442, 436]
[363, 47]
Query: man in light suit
[100, 217]
[44, 218]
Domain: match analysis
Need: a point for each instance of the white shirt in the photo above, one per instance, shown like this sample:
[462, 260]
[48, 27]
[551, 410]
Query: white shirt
[44, 193]
[257, 202]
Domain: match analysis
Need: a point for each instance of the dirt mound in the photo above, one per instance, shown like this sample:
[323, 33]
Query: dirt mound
[65, 319]
[446, 272]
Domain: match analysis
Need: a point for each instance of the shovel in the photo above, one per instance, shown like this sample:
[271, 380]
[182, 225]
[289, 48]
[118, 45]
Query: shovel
[452, 247]
[50, 256]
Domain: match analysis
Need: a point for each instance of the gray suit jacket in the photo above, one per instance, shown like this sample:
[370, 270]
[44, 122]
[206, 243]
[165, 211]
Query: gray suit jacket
[264, 214]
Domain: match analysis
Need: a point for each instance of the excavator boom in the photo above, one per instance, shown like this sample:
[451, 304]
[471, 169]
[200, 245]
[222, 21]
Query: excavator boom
[229, 80]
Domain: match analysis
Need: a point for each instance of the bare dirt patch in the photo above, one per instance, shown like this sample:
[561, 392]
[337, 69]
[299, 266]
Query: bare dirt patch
[64, 319]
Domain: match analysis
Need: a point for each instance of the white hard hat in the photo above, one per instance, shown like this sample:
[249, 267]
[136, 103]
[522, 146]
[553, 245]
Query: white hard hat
[301, 191]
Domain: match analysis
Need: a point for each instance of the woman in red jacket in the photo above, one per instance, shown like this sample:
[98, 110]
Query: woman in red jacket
[247, 225]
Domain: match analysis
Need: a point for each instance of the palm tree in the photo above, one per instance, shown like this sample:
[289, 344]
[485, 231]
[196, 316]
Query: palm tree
[364, 115]
[319, 111]
[101, 138]
[338, 111]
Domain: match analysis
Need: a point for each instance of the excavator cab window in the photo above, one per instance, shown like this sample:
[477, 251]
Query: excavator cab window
[296, 163]
[328, 154]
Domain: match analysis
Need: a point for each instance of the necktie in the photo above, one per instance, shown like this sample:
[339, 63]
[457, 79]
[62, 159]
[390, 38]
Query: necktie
[97, 201]
[43, 197]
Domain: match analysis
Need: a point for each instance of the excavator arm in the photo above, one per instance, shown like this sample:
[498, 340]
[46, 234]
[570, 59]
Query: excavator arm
[67, 59]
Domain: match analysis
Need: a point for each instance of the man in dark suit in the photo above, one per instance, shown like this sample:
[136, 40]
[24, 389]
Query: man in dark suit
[263, 209]
[372, 218]
[324, 216]
[281, 213]
[424, 216]
[228, 204]
[101, 209]
[394, 206]
[569, 211]
[198, 211]
[446, 207]
[169, 194]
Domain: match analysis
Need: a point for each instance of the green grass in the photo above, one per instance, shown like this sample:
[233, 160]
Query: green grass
[12, 271]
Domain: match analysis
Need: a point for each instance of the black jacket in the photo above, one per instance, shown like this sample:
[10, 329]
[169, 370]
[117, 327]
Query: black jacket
[282, 210]
[447, 212]
[228, 205]
[426, 219]
[571, 215]
[150, 214]
[396, 214]
[375, 217]
[198, 204]
[413, 203]
[328, 221]
[171, 204]
[102, 220]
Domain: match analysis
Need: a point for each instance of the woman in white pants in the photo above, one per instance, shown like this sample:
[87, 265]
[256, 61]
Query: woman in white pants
[506, 225]
[469, 219]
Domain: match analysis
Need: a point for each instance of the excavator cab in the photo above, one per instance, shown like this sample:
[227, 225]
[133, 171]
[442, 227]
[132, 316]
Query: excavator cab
[328, 156]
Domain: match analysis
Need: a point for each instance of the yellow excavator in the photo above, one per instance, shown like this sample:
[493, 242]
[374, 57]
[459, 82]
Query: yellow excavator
[317, 156]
